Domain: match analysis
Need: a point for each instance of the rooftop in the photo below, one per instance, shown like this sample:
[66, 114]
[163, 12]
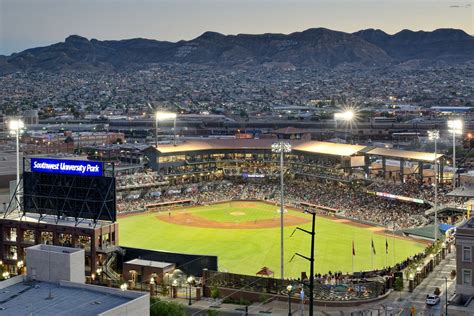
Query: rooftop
[51, 219]
[463, 191]
[24, 298]
[314, 147]
[149, 263]
[397, 153]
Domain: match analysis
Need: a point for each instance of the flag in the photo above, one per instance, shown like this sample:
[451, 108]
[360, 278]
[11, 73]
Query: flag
[373, 247]
[386, 246]
[353, 249]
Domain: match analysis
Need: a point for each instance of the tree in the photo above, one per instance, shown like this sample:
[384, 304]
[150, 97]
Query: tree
[165, 308]
[398, 286]
[215, 292]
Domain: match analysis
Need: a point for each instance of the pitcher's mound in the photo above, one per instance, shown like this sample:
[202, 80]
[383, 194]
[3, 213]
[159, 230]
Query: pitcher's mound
[237, 213]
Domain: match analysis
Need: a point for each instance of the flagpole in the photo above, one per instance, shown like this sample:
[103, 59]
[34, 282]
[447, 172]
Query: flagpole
[393, 244]
[352, 263]
[372, 254]
[353, 254]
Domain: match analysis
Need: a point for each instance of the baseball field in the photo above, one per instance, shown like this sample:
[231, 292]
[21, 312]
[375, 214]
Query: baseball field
[245, 235]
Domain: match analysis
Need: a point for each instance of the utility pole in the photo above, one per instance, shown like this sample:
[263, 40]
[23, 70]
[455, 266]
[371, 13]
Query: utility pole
[310, 259]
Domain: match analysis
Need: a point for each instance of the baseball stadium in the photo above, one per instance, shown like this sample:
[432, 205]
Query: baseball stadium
[238, 214]
[223, 198]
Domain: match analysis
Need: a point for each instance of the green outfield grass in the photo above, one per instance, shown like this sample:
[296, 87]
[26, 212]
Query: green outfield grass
[247, 250]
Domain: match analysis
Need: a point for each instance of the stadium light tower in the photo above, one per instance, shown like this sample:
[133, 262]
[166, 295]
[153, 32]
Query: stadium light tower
[346, 116]
[165, 116]
[281, 148]
[16, 128]
[455, 127]
[434, 136]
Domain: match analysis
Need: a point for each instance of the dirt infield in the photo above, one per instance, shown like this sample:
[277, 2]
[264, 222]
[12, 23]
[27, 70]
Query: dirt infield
[189, 219]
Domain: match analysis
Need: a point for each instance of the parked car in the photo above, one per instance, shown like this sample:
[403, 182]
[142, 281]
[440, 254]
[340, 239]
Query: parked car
[432, 299]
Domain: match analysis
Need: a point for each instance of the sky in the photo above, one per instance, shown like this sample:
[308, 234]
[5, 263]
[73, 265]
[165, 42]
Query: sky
[31, 23]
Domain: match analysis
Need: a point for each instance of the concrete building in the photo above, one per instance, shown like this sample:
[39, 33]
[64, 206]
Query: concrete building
[66, 263]
[464, 260]
[463, 302]
[49, 291]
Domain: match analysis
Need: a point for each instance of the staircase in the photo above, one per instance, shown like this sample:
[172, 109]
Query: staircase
[107, 267]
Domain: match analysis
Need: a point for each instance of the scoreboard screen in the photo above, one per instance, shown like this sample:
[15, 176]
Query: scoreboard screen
[71, 188]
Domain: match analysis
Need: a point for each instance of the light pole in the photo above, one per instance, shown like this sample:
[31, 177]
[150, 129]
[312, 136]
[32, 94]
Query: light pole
[455, 127]
[281, 148]
[289, 288]
[434, 136]
[164, 116]
[190, 281]
[16, 127]
[156, 130]
[346, 116]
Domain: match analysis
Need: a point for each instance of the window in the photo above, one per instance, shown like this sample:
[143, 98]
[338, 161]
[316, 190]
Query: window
[466, 276]
[65, 240]
[466, 254]
[10, 234]
[47, 238]
[84, 242]
[29, 236]
[11, 252]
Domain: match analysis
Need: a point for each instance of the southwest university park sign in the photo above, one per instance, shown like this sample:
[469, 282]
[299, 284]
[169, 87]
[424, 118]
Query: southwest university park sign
[72, 167]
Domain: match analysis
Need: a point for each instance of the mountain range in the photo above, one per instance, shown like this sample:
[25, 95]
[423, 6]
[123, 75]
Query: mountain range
[317, 47]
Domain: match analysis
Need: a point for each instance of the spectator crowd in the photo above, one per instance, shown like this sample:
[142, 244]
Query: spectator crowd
[349, 199]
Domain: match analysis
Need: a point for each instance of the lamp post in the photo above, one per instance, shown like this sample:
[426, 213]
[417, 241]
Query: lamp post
[174, 284]
[190, 281]
[152, 286]
[164, 116]
[99, 273]
[455, 127]
[281, 148]
[434, 136]
[446, 294]
[289, 288]
[16, 127]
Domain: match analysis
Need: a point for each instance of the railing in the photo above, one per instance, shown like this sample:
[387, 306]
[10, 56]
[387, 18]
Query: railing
[351, 290]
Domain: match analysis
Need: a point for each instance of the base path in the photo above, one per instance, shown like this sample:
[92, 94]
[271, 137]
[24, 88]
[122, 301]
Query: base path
[189, 219]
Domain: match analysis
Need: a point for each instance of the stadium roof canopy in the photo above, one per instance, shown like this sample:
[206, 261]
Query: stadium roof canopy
[328, 148]
[463, 191]
[314, 147]
[405, 154]
[216, 144]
